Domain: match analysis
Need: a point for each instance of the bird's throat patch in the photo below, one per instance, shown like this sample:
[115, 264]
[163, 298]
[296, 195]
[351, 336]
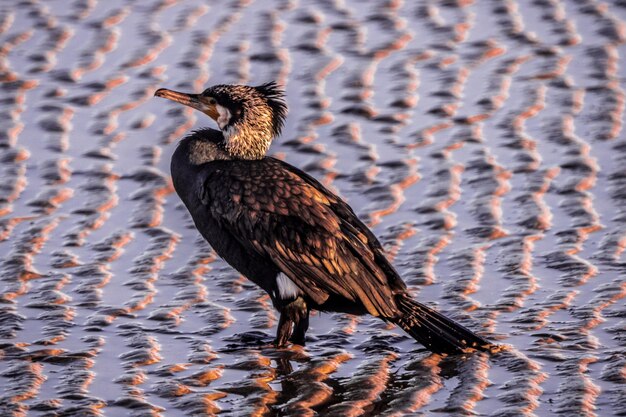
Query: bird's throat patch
[224, 116]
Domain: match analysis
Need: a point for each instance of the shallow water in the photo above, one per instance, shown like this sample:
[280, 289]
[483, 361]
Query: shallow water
[482, 141]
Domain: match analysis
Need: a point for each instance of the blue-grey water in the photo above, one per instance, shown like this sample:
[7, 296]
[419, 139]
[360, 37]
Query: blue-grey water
[483, 142]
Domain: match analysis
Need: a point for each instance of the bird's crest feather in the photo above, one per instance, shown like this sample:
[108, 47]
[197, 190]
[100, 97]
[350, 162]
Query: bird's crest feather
[275, 97]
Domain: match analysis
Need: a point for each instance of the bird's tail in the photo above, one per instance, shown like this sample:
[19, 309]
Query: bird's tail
[434, 330]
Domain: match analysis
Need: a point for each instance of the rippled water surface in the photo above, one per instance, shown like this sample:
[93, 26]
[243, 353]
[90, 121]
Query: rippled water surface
[482, 141]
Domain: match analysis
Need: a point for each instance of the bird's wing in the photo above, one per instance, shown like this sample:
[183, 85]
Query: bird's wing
[308, 232]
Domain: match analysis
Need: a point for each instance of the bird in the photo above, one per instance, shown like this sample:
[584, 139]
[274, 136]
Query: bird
[285, 231]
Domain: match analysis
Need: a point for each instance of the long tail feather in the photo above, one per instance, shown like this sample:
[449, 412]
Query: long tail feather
[434, 330]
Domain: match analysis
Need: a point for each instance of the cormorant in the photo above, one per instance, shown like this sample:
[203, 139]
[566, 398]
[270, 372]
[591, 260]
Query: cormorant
[286, 232]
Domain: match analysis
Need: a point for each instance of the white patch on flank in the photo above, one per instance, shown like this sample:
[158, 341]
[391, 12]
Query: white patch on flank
[286, 287]
[224, 117]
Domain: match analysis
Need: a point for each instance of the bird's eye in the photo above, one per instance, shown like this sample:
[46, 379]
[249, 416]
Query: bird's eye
[212, 100]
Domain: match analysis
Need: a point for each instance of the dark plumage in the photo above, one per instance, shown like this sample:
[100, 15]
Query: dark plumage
[284, 230]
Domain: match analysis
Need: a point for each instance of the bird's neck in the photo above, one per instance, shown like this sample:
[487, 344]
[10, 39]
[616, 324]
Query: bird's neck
[203, 146]
[250, 137]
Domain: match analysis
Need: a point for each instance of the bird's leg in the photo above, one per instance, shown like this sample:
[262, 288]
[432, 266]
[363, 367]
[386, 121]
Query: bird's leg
[284, 329]
[293, 316]
[300, 328]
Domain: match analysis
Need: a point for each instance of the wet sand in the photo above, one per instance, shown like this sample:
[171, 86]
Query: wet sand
[482, 141]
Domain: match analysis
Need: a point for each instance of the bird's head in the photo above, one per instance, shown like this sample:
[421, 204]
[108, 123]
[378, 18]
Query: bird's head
[249, 117]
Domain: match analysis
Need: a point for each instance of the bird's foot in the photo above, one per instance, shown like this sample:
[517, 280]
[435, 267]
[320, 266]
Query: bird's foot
[279, 344]
[293, 340]
[297, 340]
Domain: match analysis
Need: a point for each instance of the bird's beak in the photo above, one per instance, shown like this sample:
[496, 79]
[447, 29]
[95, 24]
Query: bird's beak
[195, 101]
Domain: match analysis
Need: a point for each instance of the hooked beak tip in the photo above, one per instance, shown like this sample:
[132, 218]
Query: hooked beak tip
[183, 98]
[160, 92]
[192, 100]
